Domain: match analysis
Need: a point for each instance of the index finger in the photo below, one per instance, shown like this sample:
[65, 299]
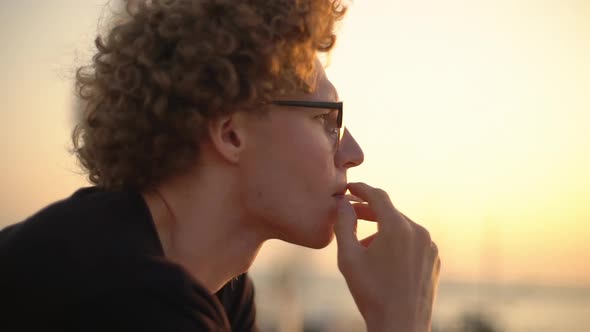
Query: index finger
[379, 201]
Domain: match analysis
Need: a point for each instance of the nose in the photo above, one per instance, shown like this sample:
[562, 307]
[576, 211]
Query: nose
[349, 152]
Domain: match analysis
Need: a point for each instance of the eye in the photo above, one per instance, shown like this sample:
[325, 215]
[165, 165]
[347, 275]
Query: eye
[330, 122]
[330, 117]
[324, 118]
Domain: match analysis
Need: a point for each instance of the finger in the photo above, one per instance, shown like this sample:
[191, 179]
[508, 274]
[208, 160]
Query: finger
[345, 229]
[364, 211]
[366, 242]
[406, 217]
[379, 202]
[353, 198]
[434, 249]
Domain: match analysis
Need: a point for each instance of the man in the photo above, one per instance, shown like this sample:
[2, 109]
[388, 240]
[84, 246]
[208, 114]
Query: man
[209, 128]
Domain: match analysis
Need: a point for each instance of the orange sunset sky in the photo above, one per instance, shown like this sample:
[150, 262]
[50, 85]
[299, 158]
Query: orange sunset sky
[474, 116]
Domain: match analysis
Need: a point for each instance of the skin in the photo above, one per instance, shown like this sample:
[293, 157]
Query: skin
[393, 274]
[278, 177]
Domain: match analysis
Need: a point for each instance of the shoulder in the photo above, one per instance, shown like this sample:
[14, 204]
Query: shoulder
[83, 245]
[143, 295]
[89, 222]
[155, 296]
[73, 212]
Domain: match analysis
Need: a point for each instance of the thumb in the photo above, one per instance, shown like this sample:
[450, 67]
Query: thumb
[345, 229]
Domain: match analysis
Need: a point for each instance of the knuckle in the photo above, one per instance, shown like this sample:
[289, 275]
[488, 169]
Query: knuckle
[407, 218]
[422, 234]
[381, 193]
[434, 249]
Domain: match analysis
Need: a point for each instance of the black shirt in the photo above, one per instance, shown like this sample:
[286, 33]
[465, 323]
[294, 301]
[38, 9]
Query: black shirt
[93, 262]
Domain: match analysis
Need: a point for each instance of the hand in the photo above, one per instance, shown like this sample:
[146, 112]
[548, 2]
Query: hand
[393, 274]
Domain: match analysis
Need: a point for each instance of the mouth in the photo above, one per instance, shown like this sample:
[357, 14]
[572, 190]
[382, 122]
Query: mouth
[341, 191]
[341, 194]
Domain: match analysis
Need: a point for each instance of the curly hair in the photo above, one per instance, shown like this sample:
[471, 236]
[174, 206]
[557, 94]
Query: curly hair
[161, 74]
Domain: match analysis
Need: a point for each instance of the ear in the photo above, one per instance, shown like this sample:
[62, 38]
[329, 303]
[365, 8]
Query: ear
[227, 135]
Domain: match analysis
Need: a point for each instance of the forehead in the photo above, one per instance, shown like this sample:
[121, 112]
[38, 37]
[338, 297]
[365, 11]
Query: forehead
[322, 89]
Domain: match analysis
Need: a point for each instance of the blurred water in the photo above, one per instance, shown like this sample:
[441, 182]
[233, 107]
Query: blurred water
[324, 304]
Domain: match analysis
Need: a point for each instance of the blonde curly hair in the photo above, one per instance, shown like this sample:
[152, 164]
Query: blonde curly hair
[171, 66]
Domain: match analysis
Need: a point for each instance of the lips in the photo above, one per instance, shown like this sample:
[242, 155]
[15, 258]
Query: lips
[341, 191]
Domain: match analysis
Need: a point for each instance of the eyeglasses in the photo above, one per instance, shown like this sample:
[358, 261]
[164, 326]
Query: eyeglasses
[332, 124]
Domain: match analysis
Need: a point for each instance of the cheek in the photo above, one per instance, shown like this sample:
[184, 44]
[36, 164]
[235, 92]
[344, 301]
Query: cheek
[310, 178]
[310, 154]
[291, 173]
[300, 169]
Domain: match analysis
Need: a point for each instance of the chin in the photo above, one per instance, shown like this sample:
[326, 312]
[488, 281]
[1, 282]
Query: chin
[322, 243]
[313, 232]
[318, 240]
[320, 236]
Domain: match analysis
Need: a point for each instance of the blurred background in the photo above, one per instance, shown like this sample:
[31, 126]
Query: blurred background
[473, 114]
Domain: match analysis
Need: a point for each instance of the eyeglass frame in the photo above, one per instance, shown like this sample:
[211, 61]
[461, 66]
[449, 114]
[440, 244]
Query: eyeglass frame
[318, 104]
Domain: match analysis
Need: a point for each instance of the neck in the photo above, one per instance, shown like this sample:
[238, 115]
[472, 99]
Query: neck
[202, 229]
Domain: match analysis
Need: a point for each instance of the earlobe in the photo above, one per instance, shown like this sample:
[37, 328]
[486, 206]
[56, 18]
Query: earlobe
[227, 136]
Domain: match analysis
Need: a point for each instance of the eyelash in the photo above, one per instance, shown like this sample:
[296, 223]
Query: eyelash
[323, 116]
[324, 119]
